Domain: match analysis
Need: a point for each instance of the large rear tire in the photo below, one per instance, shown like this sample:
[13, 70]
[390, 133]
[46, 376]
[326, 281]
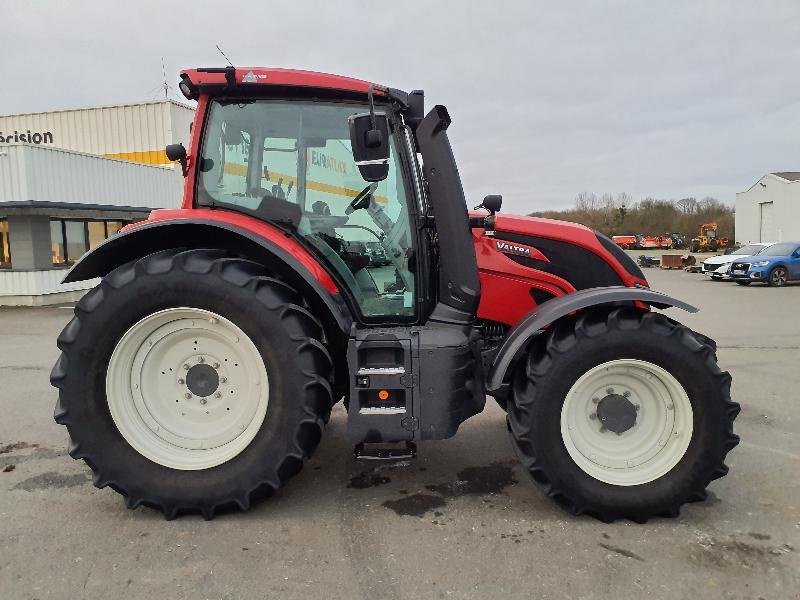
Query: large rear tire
[622, 414]
[192, 381]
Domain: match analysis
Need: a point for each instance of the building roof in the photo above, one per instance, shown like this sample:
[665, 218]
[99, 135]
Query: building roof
[30, 173]
[788, 175]
[101, 106]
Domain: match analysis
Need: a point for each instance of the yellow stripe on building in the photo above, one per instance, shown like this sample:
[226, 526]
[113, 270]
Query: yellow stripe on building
[147, 157]
[318, 186]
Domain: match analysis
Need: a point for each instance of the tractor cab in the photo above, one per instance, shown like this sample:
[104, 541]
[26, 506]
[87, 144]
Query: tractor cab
[291, 163]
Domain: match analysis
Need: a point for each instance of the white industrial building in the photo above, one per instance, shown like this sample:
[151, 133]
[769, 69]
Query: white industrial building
[70, 179]
[770, 210]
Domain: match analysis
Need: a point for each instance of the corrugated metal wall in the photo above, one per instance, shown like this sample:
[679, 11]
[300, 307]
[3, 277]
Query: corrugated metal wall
[35, 283]
[136, 132]
[45, 174]
[784, 196]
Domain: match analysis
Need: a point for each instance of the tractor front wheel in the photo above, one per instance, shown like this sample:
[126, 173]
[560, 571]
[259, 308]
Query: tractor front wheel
[192, 381]
[622, 414]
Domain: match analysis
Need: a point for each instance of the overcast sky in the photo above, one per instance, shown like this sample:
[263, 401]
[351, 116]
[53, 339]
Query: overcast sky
[665, 99]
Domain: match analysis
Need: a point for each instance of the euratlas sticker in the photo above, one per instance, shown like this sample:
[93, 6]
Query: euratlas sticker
[509, 248]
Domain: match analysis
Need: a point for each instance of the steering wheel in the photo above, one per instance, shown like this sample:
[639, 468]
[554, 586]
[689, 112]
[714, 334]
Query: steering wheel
[362, 199]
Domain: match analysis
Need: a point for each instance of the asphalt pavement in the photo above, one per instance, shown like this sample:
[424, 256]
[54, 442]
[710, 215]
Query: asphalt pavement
[461, 521]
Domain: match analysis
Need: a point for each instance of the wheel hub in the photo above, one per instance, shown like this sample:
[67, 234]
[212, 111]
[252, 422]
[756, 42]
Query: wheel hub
[187, 388]
[616, 413]
[202, 380]
[647, 408]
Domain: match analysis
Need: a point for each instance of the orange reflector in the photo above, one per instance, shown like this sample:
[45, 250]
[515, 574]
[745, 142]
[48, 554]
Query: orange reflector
[383, 394]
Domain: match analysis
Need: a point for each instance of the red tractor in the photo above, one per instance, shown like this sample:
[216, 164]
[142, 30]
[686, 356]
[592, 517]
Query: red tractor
[199, 374]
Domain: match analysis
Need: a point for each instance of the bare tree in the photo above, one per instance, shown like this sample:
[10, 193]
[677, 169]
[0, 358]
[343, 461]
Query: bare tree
[687, 206]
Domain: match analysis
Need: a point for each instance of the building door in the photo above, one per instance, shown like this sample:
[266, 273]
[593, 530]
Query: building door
[768, 233]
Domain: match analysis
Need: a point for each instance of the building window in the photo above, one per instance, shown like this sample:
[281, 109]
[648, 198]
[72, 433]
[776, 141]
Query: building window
[71, 239]
[57, 242]
[75, 235]
[5, 248]
[97, 233]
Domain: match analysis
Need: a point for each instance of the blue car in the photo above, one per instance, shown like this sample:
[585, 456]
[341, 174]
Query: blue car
[775, 266]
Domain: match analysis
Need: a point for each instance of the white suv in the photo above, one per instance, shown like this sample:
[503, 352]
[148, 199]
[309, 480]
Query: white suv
[717, 267]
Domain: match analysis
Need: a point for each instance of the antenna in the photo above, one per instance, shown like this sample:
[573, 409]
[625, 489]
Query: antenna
[164, 75]
[164, 85]
[223, 55]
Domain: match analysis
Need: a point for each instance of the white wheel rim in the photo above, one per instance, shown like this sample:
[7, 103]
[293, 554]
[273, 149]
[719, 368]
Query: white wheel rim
[177, 417]
[646, 451]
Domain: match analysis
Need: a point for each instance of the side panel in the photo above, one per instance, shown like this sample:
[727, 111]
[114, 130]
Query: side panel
[408, 384]
[525, 261]
[510, 290]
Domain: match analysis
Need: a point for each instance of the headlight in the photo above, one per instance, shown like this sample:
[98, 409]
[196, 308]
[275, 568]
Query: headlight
[760, 263]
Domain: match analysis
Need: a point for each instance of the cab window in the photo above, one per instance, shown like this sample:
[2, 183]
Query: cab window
[292, 162]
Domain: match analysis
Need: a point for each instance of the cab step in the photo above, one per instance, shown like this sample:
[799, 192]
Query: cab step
[385, 451]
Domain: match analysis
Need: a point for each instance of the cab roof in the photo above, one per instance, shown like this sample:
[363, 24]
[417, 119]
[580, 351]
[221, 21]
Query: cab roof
[246, 77]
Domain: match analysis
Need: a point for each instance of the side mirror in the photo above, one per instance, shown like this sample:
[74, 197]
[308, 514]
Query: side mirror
[492, 203]
[369, 137]
[177, 153]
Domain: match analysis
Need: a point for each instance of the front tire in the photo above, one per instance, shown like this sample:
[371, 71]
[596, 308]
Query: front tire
[778, 277]
[192, 381]
[622, 414]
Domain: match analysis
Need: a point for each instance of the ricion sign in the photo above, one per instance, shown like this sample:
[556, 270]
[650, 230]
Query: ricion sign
[27, 137]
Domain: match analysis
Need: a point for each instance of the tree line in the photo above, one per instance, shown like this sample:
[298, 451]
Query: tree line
[622, 215]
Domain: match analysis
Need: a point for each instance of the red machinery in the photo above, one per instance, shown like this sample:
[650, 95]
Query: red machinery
[199, 374]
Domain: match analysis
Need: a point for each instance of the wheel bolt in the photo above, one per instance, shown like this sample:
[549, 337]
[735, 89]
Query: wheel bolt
[593, 416]
[181, 382]
[217, 395]
[215, 365]
[187, 395]
[223, 379]
[185, 367]
[626, 394]
[636, 407]
[201, 360]
[203, 400]
[596, 400]
[609, 390]
[603, 430]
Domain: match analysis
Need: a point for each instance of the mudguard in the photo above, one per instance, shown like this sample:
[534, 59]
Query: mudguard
[156, 235]
[548, 312]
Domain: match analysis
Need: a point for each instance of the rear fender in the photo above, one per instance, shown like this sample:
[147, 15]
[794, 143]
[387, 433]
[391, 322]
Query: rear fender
[549, 312]
[297, 268]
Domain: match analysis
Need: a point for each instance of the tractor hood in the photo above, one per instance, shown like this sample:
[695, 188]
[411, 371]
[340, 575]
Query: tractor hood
[585, 257]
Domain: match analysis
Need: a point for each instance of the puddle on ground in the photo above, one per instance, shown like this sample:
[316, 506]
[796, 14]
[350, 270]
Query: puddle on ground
[51, 479]
[491, 479]
[367, 480]
[16, 446]
[415, 505]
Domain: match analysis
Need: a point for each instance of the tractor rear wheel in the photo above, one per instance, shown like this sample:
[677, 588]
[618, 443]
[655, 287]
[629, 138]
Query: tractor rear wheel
[622, 414]
[192, 381]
